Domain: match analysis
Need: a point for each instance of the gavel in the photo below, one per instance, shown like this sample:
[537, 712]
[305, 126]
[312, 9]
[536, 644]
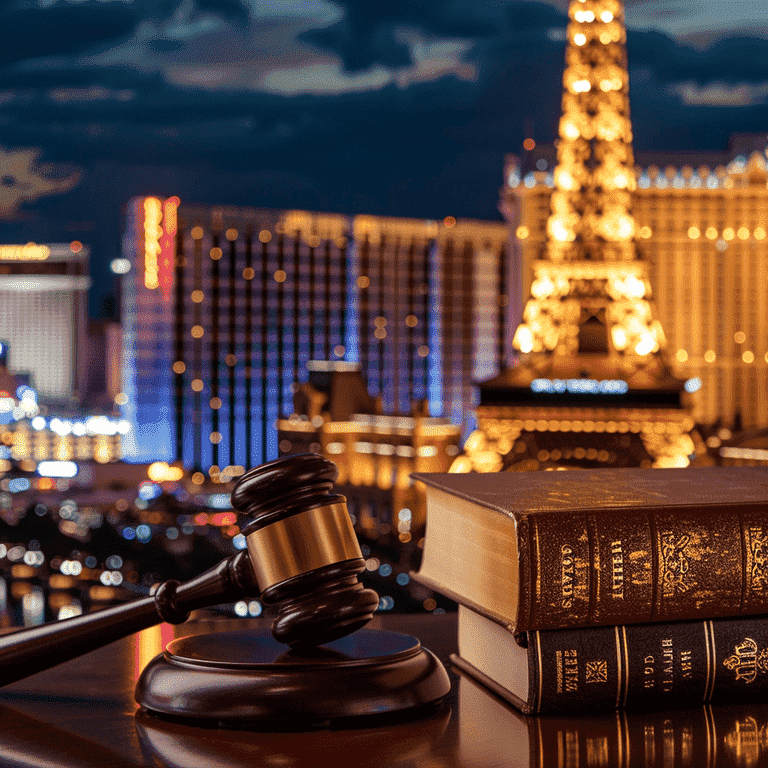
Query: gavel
[301, 557]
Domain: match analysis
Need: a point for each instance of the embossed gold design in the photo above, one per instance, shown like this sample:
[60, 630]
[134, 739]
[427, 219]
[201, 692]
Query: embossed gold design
[747, 660]
[301, 543]
[758, 550]
[675, 563]
[596, 671]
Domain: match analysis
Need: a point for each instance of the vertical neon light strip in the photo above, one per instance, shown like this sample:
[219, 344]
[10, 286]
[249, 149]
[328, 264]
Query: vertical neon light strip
[435, 332]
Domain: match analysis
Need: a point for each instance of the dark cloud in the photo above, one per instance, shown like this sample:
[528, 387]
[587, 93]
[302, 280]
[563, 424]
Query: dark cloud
[63, 28]
[369, 31]
[734, 60]
[425, 141]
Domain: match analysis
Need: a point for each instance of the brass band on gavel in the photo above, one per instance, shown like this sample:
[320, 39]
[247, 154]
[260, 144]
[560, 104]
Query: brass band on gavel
[303, 542]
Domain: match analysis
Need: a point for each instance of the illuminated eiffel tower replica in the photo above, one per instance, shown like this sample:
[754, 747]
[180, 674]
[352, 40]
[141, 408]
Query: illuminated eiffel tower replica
[593, 388]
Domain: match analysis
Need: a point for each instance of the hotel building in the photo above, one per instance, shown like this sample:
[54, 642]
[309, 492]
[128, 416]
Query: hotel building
[225, 307]
[702, 231]
[43, 322]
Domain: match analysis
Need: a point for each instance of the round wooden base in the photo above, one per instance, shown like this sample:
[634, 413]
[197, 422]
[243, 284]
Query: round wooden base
[246, 679]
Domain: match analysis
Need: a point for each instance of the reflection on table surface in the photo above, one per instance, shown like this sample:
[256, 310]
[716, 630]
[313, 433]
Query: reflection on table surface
[82, 714]
[700, 737]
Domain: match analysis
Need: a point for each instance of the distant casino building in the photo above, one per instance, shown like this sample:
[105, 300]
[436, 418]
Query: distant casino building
[43, 321]
[224, 307]
[702, 223]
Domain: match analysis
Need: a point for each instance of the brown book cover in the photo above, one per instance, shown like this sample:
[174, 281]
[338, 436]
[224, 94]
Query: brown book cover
[547, 550]
[639, 667]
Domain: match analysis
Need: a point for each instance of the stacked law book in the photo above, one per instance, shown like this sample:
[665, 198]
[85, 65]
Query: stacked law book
[600, 589]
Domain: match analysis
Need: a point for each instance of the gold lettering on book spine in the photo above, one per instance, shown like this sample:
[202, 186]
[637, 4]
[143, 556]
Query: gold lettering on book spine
[747, 660]
[567, 575]
[674, 563]
[757, 549]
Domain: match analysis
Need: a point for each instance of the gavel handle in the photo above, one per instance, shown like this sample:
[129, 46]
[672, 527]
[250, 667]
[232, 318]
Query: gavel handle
[32, 650]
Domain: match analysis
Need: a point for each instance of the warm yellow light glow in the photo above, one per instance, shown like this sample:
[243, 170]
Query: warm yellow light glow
[619, 336]
[461, 465]
[710, 356]
[743, 233]
[581, 86]
[711, 233]
[728, 233]
[523, 339]
[161, 472]
[612, 84]
[153, 215]
[606, 17]
[584, 16]
[179, 367]
[28, 252]
[216, 253]
[542, 287]
[579, 38]
[215, 437]
[280, 276]
[759, 234]
[564, 179]
[197, 331]
[682, 355]
[570, 130]
[645, 232]
[694, 233]
[646, 345]
[231, 235]
[197, 385]
[522, 233]
[748, 357]
[620, 180]
[739, 337]
[197, 296]
[559, 231]
[197, 233]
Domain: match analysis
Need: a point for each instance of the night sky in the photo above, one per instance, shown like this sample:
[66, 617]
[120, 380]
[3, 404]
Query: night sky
[396, 107]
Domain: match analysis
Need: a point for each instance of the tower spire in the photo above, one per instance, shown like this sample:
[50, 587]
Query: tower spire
[592, 386]
[594, 177]
[590, 291]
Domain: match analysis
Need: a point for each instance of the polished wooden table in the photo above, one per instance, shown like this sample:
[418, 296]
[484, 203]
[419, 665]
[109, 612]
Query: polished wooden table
[82, 715]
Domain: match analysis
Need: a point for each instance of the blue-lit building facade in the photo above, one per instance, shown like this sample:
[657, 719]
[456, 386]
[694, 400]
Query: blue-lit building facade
[223, 308]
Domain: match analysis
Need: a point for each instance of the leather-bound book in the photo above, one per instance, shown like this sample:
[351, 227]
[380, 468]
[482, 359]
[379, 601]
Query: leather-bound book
[490, 733]
[641, 667]
[549, 550]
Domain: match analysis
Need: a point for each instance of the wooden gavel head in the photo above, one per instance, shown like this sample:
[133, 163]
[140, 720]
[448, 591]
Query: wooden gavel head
[303, 550]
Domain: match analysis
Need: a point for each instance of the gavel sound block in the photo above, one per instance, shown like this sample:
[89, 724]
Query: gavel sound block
[302, 558]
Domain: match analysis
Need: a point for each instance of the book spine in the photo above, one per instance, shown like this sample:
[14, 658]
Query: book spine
[608, 568]
[649, 666]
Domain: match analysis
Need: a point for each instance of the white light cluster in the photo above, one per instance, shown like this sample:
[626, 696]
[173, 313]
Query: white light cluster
[580, 386]
[94, 425]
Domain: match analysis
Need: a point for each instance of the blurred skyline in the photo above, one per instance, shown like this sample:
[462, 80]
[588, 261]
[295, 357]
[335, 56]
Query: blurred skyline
[390, 108]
